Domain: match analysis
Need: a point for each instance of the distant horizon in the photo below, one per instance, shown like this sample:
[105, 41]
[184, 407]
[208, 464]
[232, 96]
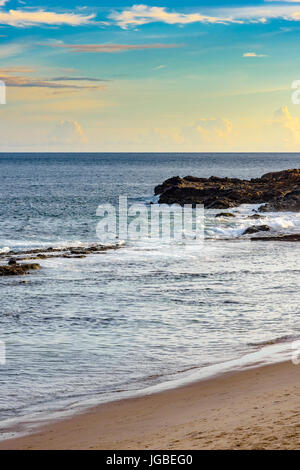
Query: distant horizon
[150, 153]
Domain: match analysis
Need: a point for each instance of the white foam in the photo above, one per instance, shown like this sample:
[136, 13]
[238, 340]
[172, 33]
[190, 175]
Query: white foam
[234, 227]
[30, 244]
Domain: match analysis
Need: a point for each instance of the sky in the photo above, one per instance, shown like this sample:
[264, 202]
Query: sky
[160, 76]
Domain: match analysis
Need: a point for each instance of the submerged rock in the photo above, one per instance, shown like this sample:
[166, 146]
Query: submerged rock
[256, 216]
[17, 269]
[45, 253]
[294, 237]
[257, 228]
[280, 189]
[71, 252]
[225, 214]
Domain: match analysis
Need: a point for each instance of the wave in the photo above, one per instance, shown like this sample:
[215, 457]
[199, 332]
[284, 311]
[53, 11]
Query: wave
[234, 227]
[215, 228]
[278, 340]
[66, 407]
[20, 246]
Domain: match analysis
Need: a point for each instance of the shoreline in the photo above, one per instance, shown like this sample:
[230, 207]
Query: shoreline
[249, 409]
[274, 351]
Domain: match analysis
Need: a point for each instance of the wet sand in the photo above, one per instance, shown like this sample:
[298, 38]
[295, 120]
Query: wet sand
[253, 409]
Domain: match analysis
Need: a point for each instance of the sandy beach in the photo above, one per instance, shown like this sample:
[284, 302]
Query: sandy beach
[252, 409]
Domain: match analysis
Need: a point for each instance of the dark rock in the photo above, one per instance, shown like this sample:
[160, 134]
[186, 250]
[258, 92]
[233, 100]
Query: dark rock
[256, 216]
[279, 238]
[169, 183]
[50, 252]
[80, 251]
[256, 228]
[280, 189]
[71, 252]
[225, 214]
[289, 202]
[73, 256]
[17, 269]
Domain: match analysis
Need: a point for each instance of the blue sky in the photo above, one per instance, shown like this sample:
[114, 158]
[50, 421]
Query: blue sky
[153, 76]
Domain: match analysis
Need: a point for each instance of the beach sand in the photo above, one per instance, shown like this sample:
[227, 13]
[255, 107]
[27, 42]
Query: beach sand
[253, 409]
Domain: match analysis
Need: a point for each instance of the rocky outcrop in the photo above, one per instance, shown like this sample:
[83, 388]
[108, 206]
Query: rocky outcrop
[14, 257]
[280, 189]
[289, 202]
[256, 216]
[224, 214]
[66, 252]
[256, 228]
[14, 269]
[293, 237]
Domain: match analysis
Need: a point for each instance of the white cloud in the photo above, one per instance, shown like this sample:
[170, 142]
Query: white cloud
[287, 127]
[11, 50]
[21, 18]
[253, 54]
[214, 130]
[262, 14]
[68, 133]
[138, 15]
[143, 14]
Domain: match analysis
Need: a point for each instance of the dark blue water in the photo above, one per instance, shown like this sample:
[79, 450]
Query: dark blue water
[50, 197]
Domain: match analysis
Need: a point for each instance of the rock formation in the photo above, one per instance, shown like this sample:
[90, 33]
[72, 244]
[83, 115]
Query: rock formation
[280, 191]
[17, 269]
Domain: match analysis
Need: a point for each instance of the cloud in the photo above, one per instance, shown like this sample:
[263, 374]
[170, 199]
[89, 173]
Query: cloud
[21, 18]
[142, 14]
[11, 50]
[12, 78]
[77, 79]
[261, 14]
[138, 15]
[214, 130]
[109, 48]
[286, 126]
[68, 133]
[16, 70]
[159, 67]
[170, 134]
[253, 54]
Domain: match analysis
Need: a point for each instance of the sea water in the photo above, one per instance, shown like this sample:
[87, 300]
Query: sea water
[141, 318]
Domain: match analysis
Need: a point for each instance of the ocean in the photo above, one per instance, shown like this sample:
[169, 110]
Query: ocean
[141, 318]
